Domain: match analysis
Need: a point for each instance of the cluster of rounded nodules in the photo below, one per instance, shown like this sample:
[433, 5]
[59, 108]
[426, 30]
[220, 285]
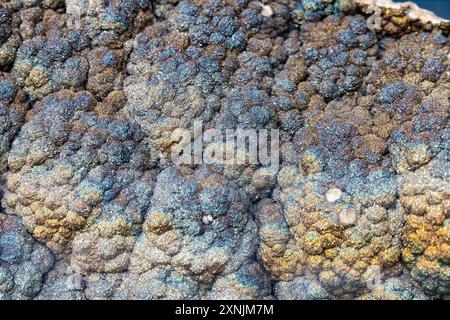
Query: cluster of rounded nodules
[93, 208]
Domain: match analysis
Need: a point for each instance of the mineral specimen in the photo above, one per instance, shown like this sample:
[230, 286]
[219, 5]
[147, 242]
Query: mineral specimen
[94, 207]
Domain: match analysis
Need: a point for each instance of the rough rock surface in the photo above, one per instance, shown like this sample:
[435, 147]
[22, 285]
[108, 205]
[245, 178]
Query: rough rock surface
[92, 207]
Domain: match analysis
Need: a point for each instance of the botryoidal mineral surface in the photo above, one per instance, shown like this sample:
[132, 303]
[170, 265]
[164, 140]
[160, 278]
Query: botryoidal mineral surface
[92, 207]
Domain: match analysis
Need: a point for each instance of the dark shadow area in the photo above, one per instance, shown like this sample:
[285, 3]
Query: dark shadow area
[2, 210]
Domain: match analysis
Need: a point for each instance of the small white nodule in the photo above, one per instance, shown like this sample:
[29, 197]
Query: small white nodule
[348, 216]
[74, 282]
[207, 219]
[333, 195]
[266, 11]
[373, 279]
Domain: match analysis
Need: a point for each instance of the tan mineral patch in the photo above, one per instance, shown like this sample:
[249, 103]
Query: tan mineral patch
[414, 12]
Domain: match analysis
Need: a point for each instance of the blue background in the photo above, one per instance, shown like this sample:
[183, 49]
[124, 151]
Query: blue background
[440, 7]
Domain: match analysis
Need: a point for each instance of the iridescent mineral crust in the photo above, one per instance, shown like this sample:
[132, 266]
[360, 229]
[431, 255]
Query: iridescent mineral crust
[93, 207]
